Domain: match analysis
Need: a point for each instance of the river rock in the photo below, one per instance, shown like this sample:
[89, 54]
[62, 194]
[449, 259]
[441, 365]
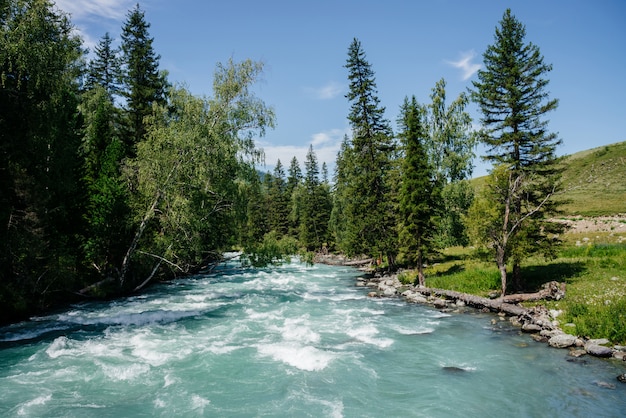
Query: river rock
[619, 355]
[622, 378]
[389, 291]
[577, 353]
[598, 350]
[414, 297]
[440, 303]
[530, 327]
[562, 341]
[603, 384]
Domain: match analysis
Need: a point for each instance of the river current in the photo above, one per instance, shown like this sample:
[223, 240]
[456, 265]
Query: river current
[289, 341]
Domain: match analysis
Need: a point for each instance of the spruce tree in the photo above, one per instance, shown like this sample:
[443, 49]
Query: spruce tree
[314, 211]
[105, 68]
[419, 190]
[278, 201]
[294, 180]
[143, 83]
[368, 222]
[512, 97]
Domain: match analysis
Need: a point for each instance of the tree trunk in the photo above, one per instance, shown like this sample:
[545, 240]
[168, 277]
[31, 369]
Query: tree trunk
[140, 230]
[501, 262]
[496, 305]
[517, 276]
[420, 269]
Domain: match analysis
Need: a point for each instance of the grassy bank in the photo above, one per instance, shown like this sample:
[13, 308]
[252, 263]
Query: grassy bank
[593, 265]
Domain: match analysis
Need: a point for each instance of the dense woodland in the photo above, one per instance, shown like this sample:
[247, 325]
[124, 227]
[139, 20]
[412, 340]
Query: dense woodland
[111, 177]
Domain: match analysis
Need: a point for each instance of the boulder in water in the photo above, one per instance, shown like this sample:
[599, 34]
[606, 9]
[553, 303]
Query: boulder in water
[453, 369]
[562, 341]
[598, 350]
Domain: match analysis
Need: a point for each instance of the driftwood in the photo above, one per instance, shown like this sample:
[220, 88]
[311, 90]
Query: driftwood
[551, 291]
[496, 305]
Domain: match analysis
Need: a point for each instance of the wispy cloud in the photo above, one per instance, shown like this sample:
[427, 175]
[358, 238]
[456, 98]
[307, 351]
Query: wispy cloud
[90, 9]
[326, 144]
[327, 91]
[465, 64]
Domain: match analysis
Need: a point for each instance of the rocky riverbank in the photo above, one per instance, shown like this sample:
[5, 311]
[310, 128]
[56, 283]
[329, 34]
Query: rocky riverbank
[543, 325]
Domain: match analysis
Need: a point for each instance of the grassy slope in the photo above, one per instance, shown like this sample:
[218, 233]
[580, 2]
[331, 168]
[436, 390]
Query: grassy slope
[594, 181]
[593, 264]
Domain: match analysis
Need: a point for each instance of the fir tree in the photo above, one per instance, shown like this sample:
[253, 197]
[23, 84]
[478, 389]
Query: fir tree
[278, 201]
[367, 223]
[511, 93]
[419, 188]
[105, 68]
[143, 83]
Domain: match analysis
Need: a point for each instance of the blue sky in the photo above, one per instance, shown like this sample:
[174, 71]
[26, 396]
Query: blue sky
[410, 44]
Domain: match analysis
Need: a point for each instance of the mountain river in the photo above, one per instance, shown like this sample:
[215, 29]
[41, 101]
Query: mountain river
[289, 341]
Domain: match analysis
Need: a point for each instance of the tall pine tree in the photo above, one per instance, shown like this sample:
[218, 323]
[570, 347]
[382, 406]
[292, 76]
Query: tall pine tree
[367, 223]
[511, 93]
[419, 190]
[143, 83]
[105, 68]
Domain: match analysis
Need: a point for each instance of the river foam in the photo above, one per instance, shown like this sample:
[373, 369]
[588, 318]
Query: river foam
[293, 340]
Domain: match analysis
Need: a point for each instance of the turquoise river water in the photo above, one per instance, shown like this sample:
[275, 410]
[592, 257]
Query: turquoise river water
[290, 341]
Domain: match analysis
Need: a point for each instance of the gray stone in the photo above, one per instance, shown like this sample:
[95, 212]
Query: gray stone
[600, 341]
[577, 353]
[389, 291]
[530, 327]
[440, 303]
[562, 341]
[598, 350]
[603, 384]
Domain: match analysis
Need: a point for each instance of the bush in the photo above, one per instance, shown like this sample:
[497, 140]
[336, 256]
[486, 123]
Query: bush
[600, 321]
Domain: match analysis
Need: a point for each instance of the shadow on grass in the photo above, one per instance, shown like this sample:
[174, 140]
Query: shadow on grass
[534, 276]
[453, 269]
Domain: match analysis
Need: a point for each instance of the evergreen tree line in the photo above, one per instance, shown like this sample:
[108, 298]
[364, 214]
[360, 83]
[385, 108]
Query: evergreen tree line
[110, 176]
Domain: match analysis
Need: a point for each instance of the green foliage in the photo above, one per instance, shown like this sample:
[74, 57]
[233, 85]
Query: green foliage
[278, 200]
[271, 250]
[419, 192]
[143, 83]
[39, 187]
[363, 221]
[312, 206]
[185, 172]
[105, 69]
[106, 208]
[513, 101]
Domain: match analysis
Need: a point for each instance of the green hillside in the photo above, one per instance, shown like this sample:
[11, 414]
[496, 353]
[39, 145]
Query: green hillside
[594, 181]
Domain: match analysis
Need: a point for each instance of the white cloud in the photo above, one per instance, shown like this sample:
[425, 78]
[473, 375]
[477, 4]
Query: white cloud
[325, 145]
[465, 64]
[89, 9]
[326, 92]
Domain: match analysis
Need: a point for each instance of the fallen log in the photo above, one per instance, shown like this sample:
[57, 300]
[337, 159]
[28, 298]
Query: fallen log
[551, 291]
[496, 305]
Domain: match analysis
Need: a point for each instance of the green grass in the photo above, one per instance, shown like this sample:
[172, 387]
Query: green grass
[594, 273]
[593, 181]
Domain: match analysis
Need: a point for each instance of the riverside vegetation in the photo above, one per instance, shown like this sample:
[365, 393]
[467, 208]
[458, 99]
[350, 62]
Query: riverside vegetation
[113, 178]
[591, 261]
